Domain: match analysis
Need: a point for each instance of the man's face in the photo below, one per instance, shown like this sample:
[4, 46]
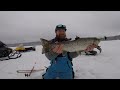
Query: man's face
[61, 33]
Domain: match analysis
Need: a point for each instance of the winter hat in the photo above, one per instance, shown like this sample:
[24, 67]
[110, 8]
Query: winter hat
[60, 26]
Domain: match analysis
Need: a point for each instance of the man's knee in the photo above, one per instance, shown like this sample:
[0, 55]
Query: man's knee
[49, 75]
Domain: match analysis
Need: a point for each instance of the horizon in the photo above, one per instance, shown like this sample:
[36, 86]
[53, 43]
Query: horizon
[30, 26]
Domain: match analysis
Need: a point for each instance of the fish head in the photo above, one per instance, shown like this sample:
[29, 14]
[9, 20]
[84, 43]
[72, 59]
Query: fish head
[97, 41]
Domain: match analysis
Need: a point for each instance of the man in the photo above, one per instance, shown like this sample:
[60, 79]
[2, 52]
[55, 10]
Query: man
[61, 62]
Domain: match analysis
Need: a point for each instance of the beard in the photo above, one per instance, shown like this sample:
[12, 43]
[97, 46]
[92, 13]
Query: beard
[61, 37]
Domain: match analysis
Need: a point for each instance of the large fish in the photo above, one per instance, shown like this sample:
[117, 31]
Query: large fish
[79, 44]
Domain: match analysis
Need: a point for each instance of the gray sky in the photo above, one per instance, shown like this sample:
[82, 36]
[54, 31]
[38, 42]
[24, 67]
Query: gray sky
[25, 26]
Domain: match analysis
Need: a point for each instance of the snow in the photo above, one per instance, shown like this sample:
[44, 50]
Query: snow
[105, 65]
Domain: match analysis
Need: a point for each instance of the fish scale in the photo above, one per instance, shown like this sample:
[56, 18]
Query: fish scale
[72, 46]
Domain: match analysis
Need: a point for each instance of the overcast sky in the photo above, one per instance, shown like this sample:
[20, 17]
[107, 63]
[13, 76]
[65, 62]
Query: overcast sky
[22, 26]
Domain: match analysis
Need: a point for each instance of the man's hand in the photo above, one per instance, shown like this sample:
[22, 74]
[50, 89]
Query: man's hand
[90, 47]
[58, 48]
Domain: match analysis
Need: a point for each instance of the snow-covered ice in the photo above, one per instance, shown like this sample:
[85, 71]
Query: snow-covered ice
[102, 66]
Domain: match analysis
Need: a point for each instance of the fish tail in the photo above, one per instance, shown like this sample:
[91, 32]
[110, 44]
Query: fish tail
[45, 44]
